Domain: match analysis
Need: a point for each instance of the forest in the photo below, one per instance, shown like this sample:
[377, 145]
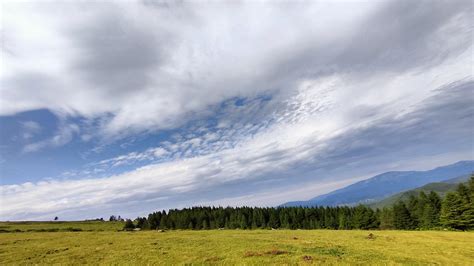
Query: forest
[425, 211]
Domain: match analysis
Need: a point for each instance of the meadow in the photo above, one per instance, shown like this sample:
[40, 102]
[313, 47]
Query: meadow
[60, 226]
[101, 242]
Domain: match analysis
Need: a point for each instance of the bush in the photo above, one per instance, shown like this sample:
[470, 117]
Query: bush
[72, 229]
[129, 225]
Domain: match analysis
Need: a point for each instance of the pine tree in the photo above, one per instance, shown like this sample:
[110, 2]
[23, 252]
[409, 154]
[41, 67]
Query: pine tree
[451, 211]
[343, 221]
[415, 207]
[164, 221]
[364, 218]
[243, 222]
[431, 211]
[273, 222]
[471, 187]
[387, 219]
[468, 215]
[285, 220]
[463, 192]
[401, 217]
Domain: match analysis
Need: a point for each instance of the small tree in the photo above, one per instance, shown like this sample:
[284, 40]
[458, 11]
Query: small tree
[128, 225]
[142, 223]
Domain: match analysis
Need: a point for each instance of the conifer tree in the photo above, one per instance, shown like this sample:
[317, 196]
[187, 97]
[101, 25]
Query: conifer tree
[452, 210]
[387, 219]
[401, 216]
[415, 207]
[468, 215]
[431, 211]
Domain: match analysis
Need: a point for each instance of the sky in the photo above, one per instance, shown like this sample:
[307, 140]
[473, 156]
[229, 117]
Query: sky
[128, 107]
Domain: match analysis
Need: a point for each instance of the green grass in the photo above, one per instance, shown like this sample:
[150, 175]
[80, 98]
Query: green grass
[60, 226]
[255, 247]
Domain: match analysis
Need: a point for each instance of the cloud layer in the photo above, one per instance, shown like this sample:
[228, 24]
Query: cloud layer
[149, 66]
[264, 98]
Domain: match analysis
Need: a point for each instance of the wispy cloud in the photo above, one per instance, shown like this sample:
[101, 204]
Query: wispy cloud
[63, 135]
[30, 128]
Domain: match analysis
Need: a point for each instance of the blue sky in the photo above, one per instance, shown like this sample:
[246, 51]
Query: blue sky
[134, 106]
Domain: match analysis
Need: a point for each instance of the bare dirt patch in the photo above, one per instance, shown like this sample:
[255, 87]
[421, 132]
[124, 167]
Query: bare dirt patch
[252, 254]
[213, 259]
[56, 250]
[276, 252]
[273, 252]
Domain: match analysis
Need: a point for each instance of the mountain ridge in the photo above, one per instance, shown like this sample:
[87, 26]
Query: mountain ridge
[385, 185]
[441, 188]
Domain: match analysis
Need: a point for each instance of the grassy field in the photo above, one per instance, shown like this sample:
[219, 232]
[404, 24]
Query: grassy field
[107, 246]
[60, 226]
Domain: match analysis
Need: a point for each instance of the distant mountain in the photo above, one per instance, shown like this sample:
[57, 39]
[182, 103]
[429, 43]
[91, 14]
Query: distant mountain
[387, 184]
[439, 187]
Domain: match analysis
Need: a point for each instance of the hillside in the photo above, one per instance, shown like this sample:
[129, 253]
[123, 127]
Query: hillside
[387, 184]
[441, 188]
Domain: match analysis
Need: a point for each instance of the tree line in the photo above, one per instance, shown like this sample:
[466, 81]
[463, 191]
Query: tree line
[425, 211]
